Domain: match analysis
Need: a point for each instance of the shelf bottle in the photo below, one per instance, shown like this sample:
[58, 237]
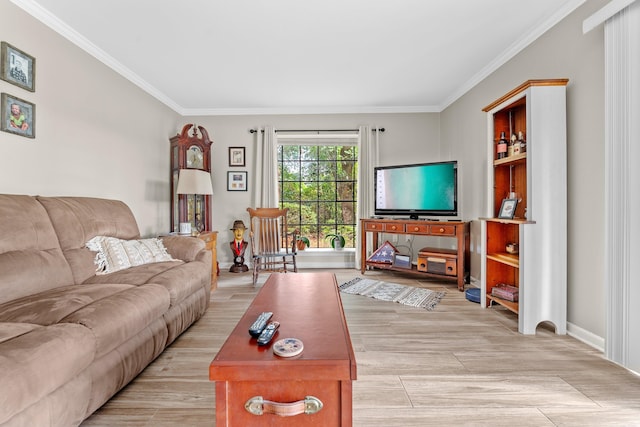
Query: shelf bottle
[502, 146]
[522, 142]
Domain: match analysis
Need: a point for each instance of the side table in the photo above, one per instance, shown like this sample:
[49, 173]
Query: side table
[210, 239]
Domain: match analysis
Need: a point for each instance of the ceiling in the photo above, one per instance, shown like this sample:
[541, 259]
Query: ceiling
[209, 57]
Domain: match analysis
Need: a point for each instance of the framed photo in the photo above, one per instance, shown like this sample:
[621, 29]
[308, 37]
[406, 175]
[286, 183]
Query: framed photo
[236, 156]
[18, 116]
[508, 208]
[237, 181]
[18, 67]
[402, 261]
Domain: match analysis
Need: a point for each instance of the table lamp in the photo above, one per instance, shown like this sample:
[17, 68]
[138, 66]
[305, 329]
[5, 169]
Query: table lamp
[196, 182]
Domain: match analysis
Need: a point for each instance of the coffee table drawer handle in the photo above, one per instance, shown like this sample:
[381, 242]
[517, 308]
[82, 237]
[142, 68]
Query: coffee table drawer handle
[258, 406]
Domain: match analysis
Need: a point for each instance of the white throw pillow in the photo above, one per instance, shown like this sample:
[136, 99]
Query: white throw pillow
[115, 254]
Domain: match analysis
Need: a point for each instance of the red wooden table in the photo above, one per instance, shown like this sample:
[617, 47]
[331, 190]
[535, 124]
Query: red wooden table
[308, 307]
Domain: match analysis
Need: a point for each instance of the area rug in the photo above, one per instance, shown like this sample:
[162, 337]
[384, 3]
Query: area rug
[385, 291]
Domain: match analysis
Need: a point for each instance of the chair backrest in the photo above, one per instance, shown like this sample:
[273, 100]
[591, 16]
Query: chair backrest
[268, 230]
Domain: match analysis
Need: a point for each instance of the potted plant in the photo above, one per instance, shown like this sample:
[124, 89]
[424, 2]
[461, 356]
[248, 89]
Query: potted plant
[302, 242]
[337, 240]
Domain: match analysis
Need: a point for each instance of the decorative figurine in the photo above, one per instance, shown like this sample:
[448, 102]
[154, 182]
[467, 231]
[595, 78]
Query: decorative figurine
[238, 247]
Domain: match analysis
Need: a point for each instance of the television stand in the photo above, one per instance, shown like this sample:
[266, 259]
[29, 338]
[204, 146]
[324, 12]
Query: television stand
[458, 230]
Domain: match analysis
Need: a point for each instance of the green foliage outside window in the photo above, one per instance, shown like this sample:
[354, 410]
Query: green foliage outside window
[318, 185]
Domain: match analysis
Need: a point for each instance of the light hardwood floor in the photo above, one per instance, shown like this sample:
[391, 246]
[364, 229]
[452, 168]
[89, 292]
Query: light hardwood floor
[456, 365]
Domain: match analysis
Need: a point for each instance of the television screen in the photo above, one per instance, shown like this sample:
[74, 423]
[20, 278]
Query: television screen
[418, 189]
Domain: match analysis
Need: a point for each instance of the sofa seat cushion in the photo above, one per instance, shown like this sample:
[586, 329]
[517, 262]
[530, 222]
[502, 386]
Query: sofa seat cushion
[116, 318]
[38, 362]
[51, 306]
[9, 331]
[135, 275]
[184, 280]
[112, 312]
[179, 278]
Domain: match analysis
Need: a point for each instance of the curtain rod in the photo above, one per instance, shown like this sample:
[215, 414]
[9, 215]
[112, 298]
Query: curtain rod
[316, 130]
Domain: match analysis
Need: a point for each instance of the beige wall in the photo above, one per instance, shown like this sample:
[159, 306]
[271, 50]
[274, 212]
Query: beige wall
[561, 52]
[97, 134]
[408, 138]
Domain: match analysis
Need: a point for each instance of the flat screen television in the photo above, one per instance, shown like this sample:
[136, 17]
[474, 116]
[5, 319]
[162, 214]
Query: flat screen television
[425, 189]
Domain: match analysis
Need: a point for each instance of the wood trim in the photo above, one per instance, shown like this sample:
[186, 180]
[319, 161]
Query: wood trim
[524, 86]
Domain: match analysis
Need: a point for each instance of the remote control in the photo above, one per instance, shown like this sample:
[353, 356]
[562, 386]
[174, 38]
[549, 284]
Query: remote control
[259, 324]
[268, 333]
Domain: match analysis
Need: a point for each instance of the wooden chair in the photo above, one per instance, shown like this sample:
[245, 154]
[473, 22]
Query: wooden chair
[270, 247]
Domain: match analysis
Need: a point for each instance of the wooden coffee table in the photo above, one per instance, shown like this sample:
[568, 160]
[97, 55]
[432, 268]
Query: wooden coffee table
[308, 307]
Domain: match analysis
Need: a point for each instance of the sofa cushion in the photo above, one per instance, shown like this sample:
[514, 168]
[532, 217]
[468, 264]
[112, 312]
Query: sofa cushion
[77, 220]
[180, 279]
[66, 406]
[113, 254]
[9, 331]
[30, 256]
[116, 318]
[34, 364]
[51, 306]
[135, 275]
[183, 247]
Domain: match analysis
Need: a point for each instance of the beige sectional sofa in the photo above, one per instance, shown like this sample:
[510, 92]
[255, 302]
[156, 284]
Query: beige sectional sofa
[70, 338]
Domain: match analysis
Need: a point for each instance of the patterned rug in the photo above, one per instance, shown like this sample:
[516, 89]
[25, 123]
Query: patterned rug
[385, 291]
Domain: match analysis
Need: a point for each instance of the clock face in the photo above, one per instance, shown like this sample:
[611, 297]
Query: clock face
[195, 159]
[239, 260]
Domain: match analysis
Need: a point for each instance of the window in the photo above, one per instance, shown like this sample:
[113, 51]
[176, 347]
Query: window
[318, 183]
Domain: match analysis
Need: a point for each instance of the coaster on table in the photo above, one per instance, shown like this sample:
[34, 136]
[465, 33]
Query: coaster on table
[288, 347]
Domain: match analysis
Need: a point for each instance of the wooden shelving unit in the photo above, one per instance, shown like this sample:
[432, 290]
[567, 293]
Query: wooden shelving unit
[458, 230]
[537, 179]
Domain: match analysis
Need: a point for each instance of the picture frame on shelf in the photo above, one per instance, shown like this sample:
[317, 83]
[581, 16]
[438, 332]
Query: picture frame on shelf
[237, 180]
[402, 261]
[17, 67]
[236, 156]
[17, 116]
[508, 208]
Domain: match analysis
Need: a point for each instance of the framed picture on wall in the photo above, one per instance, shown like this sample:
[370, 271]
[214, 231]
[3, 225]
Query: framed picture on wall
[237, 181]
[18, 116]
[18, 67]
[236, 156]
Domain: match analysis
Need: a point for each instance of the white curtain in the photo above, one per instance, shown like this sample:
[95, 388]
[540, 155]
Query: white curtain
[622, 234]
[367, 160]
[265, 180]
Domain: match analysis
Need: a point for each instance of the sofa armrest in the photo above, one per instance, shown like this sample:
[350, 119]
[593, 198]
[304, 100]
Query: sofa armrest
[184, 248]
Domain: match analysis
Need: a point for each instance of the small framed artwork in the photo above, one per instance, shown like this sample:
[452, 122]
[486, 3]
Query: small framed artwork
[402, 261]
[237, 181]
[18, 67]
[236, 156]
[508, 208]
[18, 116]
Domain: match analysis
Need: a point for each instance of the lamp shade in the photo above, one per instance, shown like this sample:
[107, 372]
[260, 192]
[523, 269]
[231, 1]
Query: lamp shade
[194, 181]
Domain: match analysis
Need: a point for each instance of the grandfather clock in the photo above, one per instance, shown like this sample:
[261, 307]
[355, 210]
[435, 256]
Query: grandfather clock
[190, 152]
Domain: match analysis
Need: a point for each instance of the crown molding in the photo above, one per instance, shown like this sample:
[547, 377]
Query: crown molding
[515, 48]
[307, 110]
[51, 21]
[603, 14]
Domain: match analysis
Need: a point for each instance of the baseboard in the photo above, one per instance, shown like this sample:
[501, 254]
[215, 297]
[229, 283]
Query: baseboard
[317, 258]
[326, 258]
[585, 336]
